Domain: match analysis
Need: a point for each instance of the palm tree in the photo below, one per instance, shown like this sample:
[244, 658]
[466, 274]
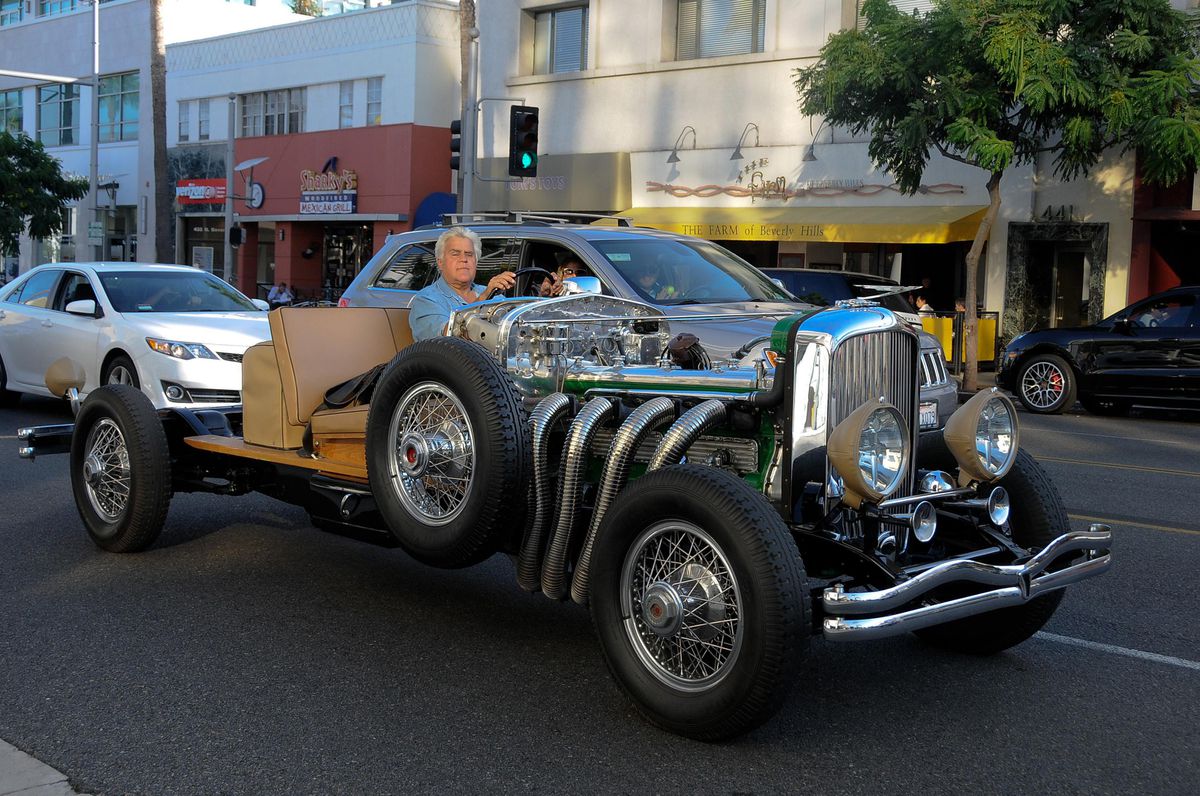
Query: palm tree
[164, 196]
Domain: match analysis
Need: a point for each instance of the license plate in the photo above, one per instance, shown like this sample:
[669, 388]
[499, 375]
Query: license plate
[929, 417]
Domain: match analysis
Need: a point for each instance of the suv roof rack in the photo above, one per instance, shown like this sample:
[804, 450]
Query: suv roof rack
[535, 217]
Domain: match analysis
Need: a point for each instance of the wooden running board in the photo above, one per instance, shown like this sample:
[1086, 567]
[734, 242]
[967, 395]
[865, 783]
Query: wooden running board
[236, 446]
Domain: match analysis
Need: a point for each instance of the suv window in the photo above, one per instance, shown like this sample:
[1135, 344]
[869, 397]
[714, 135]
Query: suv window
[75, 287]
[666, 271]
[409, 268]
[1173, 312]
[492, 260]
[824, 289]
[38, 288]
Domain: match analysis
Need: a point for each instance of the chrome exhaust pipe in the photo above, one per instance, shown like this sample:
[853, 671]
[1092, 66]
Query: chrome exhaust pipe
[680, 436]
[544, 417]
[626, 441]
[579, 442]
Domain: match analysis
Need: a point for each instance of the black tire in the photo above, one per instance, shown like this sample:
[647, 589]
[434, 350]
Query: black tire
[1037, 518]
[120, 370]
[7, 397]
[1105, 407]
[483, 419]
[120, 519]
[743, 550]
[1046, 385]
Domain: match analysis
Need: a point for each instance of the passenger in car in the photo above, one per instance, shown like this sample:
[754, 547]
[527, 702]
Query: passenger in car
[456, 252]
[553, 285]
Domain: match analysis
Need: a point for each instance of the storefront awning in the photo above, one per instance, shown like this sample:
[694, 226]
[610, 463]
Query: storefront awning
[832, 224]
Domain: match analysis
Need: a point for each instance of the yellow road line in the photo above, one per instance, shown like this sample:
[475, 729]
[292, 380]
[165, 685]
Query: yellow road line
[1190, 473]
[1133, 524]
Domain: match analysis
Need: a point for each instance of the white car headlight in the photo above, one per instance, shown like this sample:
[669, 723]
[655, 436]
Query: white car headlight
[983, 436]
[173, 348]
[870, 450]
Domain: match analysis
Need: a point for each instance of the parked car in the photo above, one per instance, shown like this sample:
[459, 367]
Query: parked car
[808, 502]
[824, 287]
[1148, 353]
[174, 332]
[698, 283]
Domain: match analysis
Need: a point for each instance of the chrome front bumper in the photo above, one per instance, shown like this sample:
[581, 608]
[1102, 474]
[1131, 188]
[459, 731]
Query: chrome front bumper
[1015, 584]
[44, 440]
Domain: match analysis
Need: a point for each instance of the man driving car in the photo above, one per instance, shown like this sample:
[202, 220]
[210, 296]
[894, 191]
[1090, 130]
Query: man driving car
[457, 252]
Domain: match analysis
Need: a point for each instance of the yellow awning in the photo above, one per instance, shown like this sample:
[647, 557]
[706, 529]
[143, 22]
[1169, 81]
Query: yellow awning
[832, 224]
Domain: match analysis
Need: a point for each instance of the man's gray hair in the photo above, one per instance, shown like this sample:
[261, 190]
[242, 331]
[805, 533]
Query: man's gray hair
[455, 232]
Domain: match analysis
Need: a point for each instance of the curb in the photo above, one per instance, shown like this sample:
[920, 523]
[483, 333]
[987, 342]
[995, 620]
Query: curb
[24, 774]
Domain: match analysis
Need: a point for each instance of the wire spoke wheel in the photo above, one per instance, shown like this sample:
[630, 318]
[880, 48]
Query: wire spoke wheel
[106, 472]
[431, 460]
[682, 604]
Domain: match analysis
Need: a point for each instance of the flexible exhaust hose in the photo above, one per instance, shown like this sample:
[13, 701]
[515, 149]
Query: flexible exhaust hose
[626, 441]
[544, 417]
[684, 431]
[579, 442]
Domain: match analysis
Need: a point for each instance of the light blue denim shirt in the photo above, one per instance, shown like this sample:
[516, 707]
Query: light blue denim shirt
[430, 309]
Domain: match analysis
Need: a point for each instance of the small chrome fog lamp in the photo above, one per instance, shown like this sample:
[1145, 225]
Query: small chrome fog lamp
[998, 506]
[870, 450]
[983, 436]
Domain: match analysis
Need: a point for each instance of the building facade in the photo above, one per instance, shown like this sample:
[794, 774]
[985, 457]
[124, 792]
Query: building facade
[345, 119]
[683, 115]
[55, 38]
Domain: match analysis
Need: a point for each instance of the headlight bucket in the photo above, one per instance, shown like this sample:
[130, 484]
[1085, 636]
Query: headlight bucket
[983, 435]
[870, 450]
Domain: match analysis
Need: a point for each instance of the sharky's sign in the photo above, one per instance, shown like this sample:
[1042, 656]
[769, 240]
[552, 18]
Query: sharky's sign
[328, 191]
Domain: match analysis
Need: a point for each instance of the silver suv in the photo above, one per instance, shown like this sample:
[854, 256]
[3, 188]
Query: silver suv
[694, 281]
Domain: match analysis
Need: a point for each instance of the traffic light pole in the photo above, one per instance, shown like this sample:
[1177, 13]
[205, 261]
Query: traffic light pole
[470, 123]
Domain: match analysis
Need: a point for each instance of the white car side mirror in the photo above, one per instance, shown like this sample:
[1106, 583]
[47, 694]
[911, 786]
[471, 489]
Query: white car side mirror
[262, 305]
[82, 307]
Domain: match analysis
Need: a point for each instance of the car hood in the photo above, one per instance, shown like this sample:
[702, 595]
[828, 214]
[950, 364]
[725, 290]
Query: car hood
[230, 331]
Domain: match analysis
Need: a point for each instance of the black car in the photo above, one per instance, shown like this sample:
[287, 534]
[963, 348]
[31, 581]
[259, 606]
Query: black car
[1148, 353]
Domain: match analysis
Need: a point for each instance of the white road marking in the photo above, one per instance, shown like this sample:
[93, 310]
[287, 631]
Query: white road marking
[1113, 436]
[1132, 524]
[1125, 651]
[1114, 466]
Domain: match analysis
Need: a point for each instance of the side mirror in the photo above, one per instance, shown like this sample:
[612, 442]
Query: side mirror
[574, 285]
[85, 307]
[1122, 326]
[262, 305]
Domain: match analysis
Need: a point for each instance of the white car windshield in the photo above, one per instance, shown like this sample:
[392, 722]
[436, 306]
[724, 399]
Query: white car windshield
[666, 272]
[172, 291]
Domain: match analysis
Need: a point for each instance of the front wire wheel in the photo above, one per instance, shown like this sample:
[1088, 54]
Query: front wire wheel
[432, 459]
[106, 473]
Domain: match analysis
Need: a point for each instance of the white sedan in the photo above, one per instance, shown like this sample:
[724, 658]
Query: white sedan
[176, 333]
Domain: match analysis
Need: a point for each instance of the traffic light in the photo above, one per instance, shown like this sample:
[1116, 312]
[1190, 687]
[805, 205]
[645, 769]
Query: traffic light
[455, 144]
[522, 141]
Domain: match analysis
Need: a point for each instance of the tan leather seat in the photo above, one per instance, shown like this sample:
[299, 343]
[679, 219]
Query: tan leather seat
[311, 350]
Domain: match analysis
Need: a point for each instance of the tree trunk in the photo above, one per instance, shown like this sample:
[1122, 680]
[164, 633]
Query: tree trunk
[164, 194]
[971, 319]
[466, 21]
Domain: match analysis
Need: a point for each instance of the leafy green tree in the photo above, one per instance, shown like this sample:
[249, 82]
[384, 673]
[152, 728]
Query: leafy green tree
[996, 83]
[33, 190]
[310, 8]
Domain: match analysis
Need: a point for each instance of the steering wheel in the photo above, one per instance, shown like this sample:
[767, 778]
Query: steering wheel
[529, 269]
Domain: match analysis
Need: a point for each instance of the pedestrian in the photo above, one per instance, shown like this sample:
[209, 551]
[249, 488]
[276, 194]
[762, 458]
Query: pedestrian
[280, 296]
[923, 305]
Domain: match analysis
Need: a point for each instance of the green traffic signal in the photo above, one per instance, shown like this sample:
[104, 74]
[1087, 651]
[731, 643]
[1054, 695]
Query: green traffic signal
[526, 160]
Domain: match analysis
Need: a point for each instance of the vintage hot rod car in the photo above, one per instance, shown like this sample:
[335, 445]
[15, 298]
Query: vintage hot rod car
[713, 515]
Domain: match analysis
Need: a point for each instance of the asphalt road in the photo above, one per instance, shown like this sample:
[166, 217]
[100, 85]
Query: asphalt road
[250, 653]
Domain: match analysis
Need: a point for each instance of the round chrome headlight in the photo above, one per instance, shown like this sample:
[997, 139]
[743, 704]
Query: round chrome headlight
[983, 436]
[870, 451]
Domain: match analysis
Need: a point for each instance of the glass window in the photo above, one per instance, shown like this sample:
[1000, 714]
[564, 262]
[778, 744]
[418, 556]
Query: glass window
[75, 287]
[410, 269]
[346, 103]
[172, 291]
[11, 11]
[202, 119]
[38, 288]
[58, 115]
[10, 111]
[492, 260]
[50, 7]
[560, 40]
[1172, 312]
[273, 112]
[119, 107]
[374, 100]
[709, 28]
[185, 121]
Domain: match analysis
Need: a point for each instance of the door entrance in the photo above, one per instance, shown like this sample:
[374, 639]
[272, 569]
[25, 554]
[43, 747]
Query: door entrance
[347, 249]
[1070, 289]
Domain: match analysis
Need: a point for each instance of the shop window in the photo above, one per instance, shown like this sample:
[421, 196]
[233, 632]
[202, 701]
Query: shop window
[560, 39]
[711, 28]
[48, 8]
[119, 109]
[11, 11]
[409, 269]
[10, 111]
[346, 103]
[185, 121]
[202, 120]
[58, 115]
[273, 112]
[374, 100]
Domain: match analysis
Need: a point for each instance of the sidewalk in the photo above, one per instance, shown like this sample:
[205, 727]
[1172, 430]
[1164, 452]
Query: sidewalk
[28, 776]
[985, 378]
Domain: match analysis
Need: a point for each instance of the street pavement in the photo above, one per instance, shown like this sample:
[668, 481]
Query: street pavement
[247, 652]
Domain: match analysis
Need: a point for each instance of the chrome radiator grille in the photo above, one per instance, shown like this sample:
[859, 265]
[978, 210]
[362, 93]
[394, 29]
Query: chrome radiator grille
[933, 369]
[879, 364]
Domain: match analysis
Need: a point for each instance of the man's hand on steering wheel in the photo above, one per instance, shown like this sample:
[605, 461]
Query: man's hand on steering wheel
[501, 282]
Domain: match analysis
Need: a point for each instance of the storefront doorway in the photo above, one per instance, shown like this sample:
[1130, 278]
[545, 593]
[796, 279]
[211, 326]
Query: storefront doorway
[346, 250]
[1055, 275]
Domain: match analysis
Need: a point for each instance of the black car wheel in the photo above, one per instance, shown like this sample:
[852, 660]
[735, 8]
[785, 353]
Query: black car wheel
[700, 600]
[1046, 385]
[120, 370]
